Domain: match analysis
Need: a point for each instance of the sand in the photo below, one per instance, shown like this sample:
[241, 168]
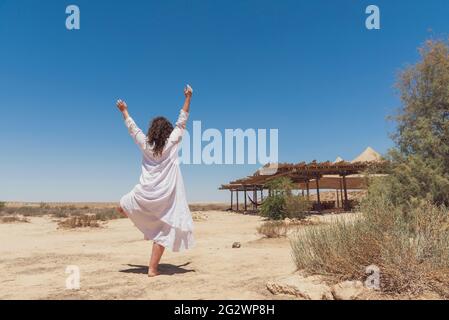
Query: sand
[113, 261]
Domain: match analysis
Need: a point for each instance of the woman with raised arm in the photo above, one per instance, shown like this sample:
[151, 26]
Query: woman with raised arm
[157, 205]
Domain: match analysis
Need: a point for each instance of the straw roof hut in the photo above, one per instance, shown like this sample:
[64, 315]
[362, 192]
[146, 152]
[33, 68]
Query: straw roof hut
[339, 175]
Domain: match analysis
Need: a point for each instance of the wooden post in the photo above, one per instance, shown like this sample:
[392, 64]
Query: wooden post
[308, 190]
[318, 193]
[341, 194]
[244, 193]
[346, 203]
[261, 194]
[237, 198]
[255, 198]
[232, 194]
[337, 203]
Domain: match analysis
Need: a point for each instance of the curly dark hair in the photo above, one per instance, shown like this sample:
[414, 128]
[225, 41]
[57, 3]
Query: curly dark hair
[158, 133]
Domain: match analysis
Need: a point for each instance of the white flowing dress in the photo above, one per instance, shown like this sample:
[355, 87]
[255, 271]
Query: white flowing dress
[157, 205]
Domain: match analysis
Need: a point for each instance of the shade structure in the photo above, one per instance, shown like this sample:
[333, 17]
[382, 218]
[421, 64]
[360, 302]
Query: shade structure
[338, 175]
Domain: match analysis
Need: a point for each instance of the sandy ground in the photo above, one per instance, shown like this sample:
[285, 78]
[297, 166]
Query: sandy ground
[113, 261]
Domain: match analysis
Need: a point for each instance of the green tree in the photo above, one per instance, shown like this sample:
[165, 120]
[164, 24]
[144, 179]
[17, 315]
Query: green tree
[420, 161]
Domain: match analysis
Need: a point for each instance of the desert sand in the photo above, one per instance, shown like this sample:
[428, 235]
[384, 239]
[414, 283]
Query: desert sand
[113, 261]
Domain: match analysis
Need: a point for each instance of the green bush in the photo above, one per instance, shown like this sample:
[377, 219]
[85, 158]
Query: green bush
[273, 207]
[282, 203]
[2, 205]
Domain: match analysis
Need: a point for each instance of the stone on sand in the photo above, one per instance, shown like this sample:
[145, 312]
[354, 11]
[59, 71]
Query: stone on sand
[309, 288]
[236, 245]
[349, 290]
[199, 216]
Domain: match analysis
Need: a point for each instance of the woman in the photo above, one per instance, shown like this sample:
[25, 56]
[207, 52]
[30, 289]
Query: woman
[157, 205]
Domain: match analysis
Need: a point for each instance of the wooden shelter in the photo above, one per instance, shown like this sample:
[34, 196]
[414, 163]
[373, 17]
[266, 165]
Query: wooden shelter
[340, 176]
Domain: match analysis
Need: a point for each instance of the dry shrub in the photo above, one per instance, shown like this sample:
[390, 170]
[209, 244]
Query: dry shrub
[209, 207]
[13, 219]
[62, 211]
[83, 221]
[273, 229]
[297, 206]
[105, 214]
[409, 245]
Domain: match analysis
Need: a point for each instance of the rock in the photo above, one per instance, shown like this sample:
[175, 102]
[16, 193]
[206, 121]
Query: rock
[236, 245]
[199, 216]
[349, 290]
[287, 221]
[309, 288]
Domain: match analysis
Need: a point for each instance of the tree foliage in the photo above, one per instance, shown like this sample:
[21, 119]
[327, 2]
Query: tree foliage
[420, 160]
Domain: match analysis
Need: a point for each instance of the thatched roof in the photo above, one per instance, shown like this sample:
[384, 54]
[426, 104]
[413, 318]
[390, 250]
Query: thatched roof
[329, 174]
[369, 155]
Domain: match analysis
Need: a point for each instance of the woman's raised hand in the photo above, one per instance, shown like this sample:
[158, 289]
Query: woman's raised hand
[188, 91]
[122, 106]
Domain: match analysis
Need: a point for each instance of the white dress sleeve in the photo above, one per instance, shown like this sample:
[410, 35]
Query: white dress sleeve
[138, 136]
[180, 126]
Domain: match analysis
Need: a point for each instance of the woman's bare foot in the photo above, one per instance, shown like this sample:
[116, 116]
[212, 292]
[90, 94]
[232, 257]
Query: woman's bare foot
[152, 273]
[156, 255]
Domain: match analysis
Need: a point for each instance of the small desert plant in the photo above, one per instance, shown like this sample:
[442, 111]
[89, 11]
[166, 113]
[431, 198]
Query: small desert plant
[208, 207]
[83, 221]
[13, 219]
[2, 205]
[273, 229]
[43, 205]
[108, 214]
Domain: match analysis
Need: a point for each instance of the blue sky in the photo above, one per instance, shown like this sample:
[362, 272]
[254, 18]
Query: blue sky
[309, 68]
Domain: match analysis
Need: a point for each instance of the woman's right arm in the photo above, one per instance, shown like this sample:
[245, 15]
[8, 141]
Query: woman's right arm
[139, 137]
[178, 131]
[188, 95]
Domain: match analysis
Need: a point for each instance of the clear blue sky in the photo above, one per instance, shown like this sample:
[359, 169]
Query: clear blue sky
[309, 68]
